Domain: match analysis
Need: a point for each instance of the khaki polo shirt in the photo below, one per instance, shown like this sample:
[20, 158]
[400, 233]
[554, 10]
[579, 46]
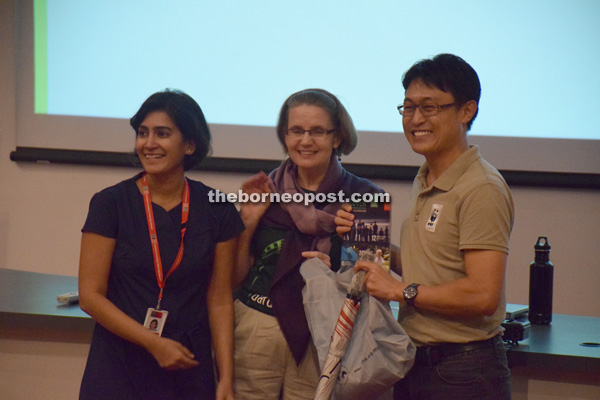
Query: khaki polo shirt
[468, 207]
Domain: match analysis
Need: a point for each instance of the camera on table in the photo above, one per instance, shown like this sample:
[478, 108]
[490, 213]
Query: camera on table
[516, 324]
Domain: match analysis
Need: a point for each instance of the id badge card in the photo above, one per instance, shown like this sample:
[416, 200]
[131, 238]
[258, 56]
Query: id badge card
[155, 320]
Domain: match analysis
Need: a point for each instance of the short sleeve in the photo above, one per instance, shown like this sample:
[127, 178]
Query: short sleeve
[486, 219]
[228, 222]
[102, 215]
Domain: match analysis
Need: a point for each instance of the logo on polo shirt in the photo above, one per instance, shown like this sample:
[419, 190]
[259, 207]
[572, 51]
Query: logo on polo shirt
[434, 217]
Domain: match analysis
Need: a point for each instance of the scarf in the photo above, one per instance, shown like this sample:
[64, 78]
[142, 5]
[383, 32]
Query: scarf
[309, 229]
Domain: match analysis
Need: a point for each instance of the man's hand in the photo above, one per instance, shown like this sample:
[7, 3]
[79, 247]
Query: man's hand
[379, 283]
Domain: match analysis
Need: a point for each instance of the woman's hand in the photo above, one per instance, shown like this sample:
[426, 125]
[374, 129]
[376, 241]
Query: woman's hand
[219, 300]
[171, 355]
[251, 214]
[317, 254]
[253, 211]
[94, 268]
[224, 391]
[344, 220]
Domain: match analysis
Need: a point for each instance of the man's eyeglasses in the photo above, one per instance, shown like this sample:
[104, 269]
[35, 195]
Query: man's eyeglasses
[427, 110]
[315, 133]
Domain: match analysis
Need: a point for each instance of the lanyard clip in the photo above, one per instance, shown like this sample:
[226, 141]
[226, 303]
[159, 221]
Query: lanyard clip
[159, 300]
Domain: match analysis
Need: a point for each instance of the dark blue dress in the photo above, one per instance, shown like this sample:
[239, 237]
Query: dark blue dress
[117, 369]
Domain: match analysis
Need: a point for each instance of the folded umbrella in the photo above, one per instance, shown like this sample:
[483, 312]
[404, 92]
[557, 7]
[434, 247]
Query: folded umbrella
[342, 333]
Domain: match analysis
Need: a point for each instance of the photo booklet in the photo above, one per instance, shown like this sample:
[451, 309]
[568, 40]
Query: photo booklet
[369, 238]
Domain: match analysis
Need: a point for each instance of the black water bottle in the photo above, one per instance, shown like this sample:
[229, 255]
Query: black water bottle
[541, 277]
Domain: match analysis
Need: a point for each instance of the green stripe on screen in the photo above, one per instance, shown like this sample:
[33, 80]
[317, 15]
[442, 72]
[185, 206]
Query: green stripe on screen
[40, 56]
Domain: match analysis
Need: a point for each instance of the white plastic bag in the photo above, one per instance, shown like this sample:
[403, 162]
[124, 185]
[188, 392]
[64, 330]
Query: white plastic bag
[379, 353]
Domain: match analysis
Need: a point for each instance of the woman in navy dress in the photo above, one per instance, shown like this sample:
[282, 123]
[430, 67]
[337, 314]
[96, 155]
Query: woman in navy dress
[157, 236]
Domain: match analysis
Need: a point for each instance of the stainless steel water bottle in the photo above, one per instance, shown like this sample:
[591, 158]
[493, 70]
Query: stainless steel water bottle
[541, 277]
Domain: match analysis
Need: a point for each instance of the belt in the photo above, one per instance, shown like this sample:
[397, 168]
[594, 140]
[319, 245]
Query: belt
[432, 355]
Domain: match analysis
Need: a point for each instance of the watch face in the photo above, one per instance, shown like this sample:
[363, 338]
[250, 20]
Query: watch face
[410, 291]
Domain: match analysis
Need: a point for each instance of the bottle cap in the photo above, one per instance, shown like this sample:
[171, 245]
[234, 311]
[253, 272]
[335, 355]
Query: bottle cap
[542, 244]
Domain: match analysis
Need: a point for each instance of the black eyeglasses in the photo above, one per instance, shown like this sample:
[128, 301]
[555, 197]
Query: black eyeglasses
[427, 110]
[317, 133]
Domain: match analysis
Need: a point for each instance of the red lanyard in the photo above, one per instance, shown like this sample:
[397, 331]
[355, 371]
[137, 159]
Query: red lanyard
[185, 210]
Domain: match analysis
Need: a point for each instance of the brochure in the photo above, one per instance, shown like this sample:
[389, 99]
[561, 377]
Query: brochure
[370, 236]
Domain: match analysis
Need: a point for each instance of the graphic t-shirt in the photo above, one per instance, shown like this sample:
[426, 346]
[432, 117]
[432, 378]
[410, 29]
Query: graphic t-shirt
[267, 247]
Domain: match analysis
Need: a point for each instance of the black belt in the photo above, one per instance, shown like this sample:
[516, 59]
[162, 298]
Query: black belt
[432, 355]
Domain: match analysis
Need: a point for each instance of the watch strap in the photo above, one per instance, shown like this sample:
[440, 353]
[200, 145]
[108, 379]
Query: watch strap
[410, 293]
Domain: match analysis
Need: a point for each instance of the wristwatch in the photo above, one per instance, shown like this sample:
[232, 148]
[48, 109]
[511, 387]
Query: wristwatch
[410, 294]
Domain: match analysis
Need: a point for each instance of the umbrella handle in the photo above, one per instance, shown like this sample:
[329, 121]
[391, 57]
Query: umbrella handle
[357, 286]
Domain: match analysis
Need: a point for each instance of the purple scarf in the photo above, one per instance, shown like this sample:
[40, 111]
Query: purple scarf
[309, 229]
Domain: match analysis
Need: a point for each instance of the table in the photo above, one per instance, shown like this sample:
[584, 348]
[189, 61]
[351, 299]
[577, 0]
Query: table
[559, 345]
[37, 331]
[28, 301]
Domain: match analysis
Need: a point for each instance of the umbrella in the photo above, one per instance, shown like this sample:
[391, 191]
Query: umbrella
[342, 333]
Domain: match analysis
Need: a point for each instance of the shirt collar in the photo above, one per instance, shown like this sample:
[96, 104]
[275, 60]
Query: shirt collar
[450, 176]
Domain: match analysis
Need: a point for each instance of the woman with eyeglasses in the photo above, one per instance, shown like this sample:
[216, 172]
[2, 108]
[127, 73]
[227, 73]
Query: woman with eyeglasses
[274, 355]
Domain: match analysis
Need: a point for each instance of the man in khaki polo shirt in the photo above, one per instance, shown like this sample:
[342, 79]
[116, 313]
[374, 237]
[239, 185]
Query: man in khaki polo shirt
[453, 243]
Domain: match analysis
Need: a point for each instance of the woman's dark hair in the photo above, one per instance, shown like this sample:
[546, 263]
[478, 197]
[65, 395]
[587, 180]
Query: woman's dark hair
[342, 122]
[448, 73]
[186, 115]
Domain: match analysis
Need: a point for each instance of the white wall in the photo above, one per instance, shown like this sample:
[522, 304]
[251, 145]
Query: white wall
[43, 206]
